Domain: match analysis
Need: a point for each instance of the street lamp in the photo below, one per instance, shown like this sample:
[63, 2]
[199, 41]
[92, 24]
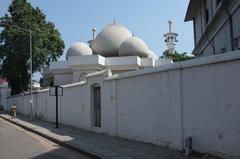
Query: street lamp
[32, 115]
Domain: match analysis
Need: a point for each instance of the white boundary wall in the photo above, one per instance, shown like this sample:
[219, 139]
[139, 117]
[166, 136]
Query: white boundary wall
[161, 105]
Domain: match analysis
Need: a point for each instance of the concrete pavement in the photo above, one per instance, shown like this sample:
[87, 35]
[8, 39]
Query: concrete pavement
[17, 143]
[99, 145]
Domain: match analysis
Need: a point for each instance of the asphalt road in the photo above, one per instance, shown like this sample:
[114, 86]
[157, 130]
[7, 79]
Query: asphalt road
[17, 143]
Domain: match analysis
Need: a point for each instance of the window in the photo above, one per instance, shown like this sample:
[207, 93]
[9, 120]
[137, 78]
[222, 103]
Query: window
[206, 16]
[206, 12]
[218, 2]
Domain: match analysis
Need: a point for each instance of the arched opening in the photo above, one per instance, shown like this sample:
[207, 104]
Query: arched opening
[96, 105]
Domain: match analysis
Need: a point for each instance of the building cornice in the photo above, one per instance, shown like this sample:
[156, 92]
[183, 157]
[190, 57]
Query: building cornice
[192, 6]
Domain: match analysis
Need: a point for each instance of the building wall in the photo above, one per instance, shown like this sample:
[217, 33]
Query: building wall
[236, 22]
[212, 117]
[222, 40]
[207, 51]
[197, 26]
[148, 108]
[217, 30]
[161, 105]
[63, 78]
[236, 27]
[4, 93]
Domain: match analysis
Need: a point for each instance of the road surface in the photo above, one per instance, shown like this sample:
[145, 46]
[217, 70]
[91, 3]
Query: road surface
[17, 143]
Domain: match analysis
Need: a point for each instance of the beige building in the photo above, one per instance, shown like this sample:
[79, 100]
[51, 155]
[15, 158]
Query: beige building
[216, 26]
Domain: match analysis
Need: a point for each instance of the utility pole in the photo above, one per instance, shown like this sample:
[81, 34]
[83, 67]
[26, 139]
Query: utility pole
[56, 91]
[56, 106]
[31, 72]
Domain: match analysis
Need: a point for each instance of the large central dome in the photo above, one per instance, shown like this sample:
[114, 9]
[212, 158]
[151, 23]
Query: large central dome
[108, 41]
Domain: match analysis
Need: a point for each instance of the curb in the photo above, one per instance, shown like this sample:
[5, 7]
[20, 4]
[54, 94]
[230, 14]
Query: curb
[64, 144]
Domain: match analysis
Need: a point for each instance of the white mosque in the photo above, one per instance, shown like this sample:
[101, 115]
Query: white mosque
[114, 48]
[116, 85]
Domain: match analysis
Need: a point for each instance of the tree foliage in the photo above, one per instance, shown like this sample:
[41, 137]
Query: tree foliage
[47, 43]
[176, 57]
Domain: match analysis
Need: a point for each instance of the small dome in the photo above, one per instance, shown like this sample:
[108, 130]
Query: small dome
[152, 55]
[79, 49]
[133, 46]
[108, 41]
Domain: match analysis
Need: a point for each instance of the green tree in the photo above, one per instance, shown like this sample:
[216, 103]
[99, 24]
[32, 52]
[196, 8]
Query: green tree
[176, 57]
[14, 43]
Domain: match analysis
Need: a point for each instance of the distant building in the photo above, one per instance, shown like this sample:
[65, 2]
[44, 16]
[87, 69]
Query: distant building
[36, 85]
[216, 26]
[47, 78]
[3, 80]
[4, 88]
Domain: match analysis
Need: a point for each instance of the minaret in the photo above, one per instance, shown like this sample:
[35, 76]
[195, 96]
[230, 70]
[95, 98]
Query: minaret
[171, 39]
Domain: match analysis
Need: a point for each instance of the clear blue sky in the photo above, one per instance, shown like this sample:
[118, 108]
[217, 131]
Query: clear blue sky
[147, 19]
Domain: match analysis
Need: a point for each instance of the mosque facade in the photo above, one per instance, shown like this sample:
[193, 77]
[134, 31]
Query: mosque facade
[114, 48]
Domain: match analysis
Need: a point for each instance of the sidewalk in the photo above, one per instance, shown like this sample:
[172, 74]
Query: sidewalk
[98, 145]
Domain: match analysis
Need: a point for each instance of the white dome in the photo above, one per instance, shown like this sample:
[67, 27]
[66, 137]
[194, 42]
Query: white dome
[152, 55]
[79, 49]
[108, 41]
[133, 46]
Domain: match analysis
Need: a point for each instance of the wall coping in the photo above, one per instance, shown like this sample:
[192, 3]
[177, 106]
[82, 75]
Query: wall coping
[228, 56]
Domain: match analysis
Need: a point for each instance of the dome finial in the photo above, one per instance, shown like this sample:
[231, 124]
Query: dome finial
[93, 32]
[170, 25]
[133, 34]
[114, 20]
